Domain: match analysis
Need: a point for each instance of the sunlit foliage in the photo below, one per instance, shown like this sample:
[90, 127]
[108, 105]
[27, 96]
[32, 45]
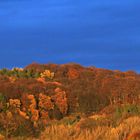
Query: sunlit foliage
[31, 97]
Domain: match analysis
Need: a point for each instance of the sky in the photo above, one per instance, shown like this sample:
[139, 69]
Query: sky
[101, 33]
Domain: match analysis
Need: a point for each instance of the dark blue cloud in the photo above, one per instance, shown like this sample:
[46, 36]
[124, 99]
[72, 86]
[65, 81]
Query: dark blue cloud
[101, 33]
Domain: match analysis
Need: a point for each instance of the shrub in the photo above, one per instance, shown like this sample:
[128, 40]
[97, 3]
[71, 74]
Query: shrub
[127, 109]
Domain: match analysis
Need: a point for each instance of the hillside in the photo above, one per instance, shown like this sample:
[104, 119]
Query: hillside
[33, 97]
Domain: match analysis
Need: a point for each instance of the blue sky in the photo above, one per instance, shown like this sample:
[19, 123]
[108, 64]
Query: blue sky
[101, 33]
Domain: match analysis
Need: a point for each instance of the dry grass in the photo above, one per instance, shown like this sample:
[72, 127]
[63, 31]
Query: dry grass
[128, 129]
[128, 126]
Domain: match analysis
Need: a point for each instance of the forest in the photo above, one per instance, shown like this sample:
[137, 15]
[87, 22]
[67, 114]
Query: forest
[50, 101]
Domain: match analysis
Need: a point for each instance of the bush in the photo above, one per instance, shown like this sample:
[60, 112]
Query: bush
[127, 110]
